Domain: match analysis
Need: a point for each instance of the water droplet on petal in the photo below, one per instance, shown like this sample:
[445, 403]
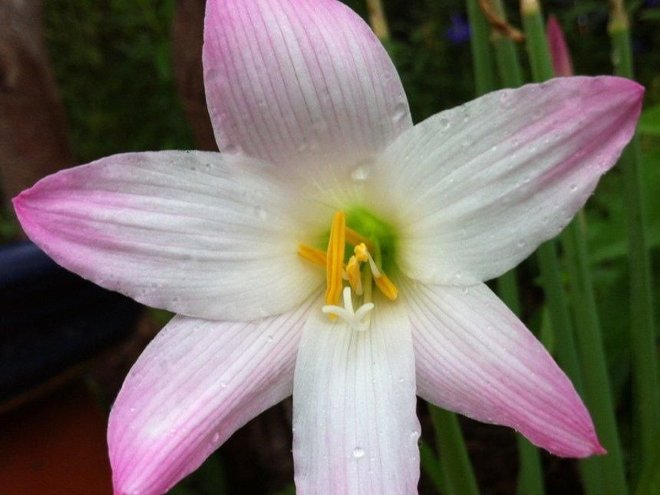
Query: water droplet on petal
[361, 172]
[216, 437]
[269, 338]
[444, 124]
[261, 213]
[358, 452]
[399, 113]
[506, 98]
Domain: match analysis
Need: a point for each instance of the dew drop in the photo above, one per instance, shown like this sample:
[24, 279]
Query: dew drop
[415, 434]
[444, 124]
[261, 213]
[269, 338]
[216, 437]
[573, 187]
[223, 385]
[466, 290]
[358, 452]
[399, 113]
[360, 173]
[506, 98]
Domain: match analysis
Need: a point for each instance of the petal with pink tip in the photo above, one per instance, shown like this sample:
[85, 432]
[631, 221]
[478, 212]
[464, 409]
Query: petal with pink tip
[202, 234]
[194, 385]
[355, 428]
[299, 82]
[473, 356]
[476, 189]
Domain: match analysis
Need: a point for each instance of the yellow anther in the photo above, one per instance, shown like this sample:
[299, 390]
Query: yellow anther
[314, 255]
[335, 259]
[355, 238]
[361, 252]
[354, 275]
[386, 286]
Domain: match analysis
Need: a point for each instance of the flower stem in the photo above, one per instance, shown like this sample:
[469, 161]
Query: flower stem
[506, 55]
[530, 473]
[530, 480]
[378, 19]
[456, 468]
[482, 60]
[431, 466]
[590, 343]
[644, 358]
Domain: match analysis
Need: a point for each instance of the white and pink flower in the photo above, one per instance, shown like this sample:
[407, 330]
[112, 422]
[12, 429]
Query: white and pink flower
[319, 152]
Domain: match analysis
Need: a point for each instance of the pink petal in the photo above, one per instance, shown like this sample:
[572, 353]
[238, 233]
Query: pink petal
[194, 385]
[476, 189]
[561, 56]
[299, 81]
[475, 357]
[355, 428]
[202, 234]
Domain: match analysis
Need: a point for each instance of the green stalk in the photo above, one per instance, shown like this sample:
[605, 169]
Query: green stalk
[456, 468]
[482, 59]
[431, 466]
[378, 19]
[506, 55]
[530, 474]
[530, 478]
[642, 327]
[590, 343]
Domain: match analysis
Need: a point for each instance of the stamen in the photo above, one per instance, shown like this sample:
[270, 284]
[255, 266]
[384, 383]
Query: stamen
[355, 238]
[361, 252]
[353, 275]
[353, 318]
[335, 258]
[314, 255]
[382, 281]
[386, 287]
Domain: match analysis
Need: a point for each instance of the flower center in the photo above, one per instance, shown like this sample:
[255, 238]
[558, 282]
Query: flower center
[368, 251]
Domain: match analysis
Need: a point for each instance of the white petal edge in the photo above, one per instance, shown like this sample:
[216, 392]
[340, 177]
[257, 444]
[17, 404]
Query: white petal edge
[194, 385]
[299, 82]
[475, 357]
[202, 234]
[474, 190]
[355, 428]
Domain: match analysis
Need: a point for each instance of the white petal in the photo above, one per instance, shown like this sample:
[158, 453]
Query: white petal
[194, 385]
[202, 234]
[475, 357]
[299, 82]
[355, 428]
[476, 189]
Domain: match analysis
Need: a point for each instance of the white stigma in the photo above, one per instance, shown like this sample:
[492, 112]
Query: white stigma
[355, 319]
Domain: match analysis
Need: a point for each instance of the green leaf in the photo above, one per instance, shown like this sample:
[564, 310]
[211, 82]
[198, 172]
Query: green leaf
[649, 122]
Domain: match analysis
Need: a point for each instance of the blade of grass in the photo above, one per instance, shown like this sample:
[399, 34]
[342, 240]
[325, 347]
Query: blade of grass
[590, 343]
[482, 56]
[456, 468]
[642, 327]
[431, 466]
[530, 473]
[530, 477]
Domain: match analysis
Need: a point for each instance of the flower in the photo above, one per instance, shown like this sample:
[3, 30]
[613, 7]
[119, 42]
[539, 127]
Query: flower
[561, 56]
[249, 247]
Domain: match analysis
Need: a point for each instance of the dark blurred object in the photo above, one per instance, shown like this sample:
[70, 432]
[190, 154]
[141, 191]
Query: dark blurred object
[55, 446]
[34, 140]
[187, 38]
[52, 323]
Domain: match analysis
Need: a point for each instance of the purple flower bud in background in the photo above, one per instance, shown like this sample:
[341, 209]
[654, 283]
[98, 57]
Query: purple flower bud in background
[458, 32]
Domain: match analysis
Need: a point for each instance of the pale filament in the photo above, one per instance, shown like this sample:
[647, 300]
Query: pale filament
[358, 320]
